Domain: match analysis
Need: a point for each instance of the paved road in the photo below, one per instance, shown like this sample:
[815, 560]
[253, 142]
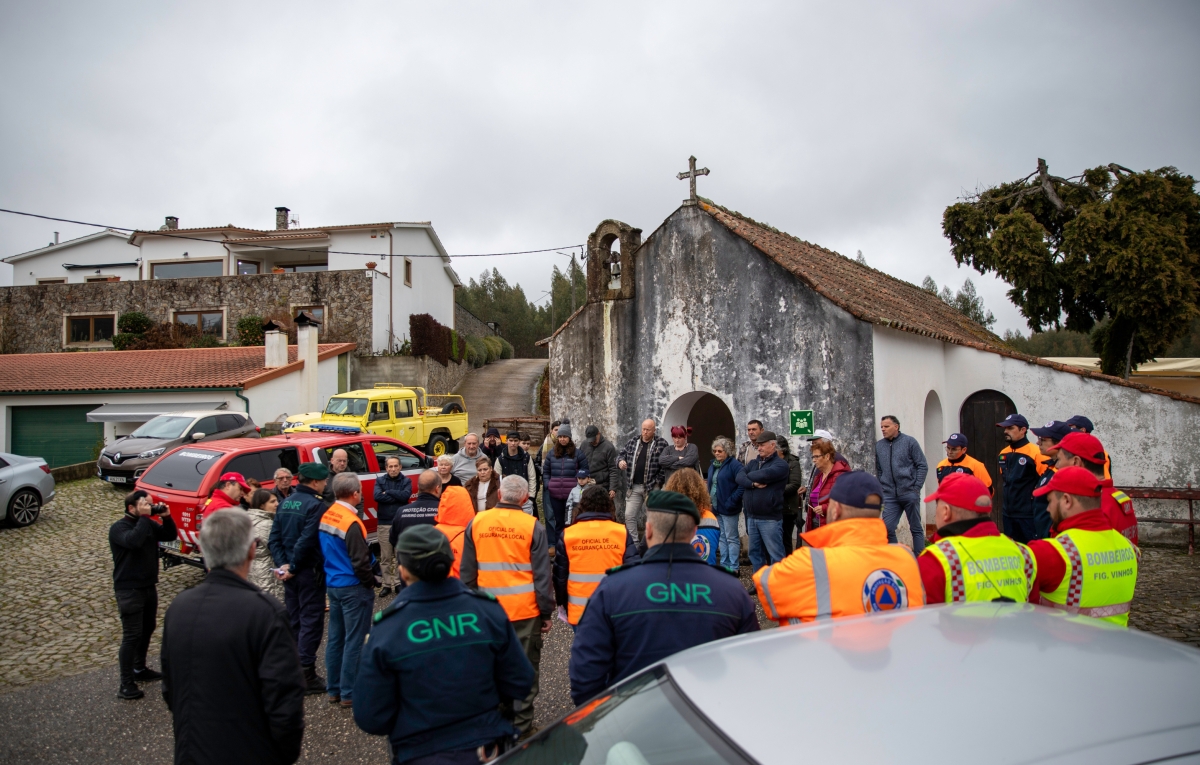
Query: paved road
[504, 387]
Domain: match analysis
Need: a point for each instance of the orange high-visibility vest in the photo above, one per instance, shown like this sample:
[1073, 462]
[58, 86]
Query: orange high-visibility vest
[337, 520]
[503, 540]
[593, 547]
[850, 569]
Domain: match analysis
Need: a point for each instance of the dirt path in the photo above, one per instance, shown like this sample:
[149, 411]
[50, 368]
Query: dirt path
[501, 388]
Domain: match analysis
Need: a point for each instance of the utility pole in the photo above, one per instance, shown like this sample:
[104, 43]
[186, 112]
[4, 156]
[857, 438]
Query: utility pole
[573, 283]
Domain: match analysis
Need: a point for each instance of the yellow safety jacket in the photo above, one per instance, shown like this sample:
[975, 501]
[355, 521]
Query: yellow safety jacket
[1102, 568]
[984, 568]
[593, 547]
[503, 540]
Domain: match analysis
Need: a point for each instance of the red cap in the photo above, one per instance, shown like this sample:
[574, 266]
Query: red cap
[964, 491]
[235, 477]
[1073, 480]
[1083, 445]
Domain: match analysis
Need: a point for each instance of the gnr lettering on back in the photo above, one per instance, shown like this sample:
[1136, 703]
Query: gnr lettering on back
[456, 625]
[662, 592]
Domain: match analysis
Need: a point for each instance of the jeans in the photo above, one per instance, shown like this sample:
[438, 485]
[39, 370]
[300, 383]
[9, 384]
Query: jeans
[529, 632]
[349, 619]
[387, 555]
[729, 547]
[304, 596]
[139, 614]
[556, 518]
[910, 506]
[635, 511]
[766, 541]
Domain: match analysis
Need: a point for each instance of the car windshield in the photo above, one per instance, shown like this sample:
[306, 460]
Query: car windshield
[644, 720]
[351, 407]
[183, 470]
[163, 426]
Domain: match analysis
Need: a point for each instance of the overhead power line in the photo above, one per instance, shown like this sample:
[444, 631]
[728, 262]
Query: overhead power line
[290, 249]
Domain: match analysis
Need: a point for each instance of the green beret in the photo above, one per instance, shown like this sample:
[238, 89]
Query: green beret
[672, 502]
[314, 471]
[420, 542]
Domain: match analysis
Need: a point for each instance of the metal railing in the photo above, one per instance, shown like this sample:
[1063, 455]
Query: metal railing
[1187, 494]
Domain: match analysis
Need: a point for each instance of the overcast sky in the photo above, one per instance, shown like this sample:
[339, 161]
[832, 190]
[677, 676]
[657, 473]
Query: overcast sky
[515, 126]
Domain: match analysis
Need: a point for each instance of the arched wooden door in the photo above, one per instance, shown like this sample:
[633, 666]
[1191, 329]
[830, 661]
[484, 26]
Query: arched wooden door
[977, 421]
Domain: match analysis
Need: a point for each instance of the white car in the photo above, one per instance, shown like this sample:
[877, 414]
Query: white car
[25, 485]
[970, 683]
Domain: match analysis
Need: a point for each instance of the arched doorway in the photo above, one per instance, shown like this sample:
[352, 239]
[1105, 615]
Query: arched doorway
[707, 416]
[977, 421]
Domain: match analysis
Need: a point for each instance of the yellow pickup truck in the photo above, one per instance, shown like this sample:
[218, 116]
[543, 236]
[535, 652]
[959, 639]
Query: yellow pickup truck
[432, 422]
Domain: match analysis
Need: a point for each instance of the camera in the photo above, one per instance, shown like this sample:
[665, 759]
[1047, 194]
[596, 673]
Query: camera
[159, 508]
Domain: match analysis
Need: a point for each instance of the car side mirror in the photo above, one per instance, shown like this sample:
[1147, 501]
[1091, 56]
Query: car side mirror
[430, 462]
[197, 436]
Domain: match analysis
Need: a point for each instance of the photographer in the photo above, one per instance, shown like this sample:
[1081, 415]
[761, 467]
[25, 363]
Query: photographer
[134, 541]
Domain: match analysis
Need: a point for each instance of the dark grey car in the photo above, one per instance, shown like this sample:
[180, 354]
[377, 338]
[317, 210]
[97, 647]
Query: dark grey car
[977, 683]
[122, 462]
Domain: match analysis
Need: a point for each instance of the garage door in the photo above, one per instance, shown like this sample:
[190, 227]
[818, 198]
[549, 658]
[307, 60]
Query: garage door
[61, 435]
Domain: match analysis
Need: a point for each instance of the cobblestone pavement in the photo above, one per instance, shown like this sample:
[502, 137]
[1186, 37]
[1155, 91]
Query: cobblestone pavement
[1167, 600]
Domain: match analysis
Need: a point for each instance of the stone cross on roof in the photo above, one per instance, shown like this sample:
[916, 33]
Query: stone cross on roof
[691, 175]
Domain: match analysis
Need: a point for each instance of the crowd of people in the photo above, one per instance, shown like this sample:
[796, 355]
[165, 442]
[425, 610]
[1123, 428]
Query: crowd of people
[637, 550]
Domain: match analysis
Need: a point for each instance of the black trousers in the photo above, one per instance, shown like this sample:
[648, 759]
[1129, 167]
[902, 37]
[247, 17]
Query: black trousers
[789, 528]
[1020, 529]
[304, 596]
[139, 614]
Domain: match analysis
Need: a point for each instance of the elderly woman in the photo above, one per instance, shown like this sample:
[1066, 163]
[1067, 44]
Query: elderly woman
[726, 500]
[683, 455]
[262, 515]
[445, 471]
[484, 488]
[828, 467]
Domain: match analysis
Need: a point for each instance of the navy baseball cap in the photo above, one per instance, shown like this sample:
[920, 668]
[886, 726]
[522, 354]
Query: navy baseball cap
[1053, 430]
[1014, 419]
[583, 474]
[855, 488]
[956, 439]
[1079, 422]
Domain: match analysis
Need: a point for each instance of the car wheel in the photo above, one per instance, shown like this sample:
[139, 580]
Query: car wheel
[24, 508]
[452, 407]
[437, 446]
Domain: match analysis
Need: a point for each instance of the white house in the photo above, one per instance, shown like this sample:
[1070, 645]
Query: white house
[96, 257]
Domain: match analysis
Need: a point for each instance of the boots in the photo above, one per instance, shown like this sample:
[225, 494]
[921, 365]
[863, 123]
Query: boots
[314, 682]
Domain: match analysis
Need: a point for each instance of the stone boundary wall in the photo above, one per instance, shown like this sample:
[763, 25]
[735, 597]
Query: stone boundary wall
[32, 317]
[76, 472]
[468, 323]
[416, 371]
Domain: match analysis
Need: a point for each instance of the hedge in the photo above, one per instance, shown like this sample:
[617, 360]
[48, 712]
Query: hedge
[134, 323]
[250, 330]
[429, 338]
[478, 351]
[506, 349]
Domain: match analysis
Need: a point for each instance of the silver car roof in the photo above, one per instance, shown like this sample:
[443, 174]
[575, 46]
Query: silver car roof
[971, 682]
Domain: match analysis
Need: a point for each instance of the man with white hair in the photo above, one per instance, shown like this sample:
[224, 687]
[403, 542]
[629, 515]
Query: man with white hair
[505, 554]
[231, 674]
[464, 460]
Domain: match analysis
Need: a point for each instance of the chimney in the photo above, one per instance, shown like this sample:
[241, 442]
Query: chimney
[172, 222]
[56, 237]
[277, 345]
[306, 351]
[281, 218]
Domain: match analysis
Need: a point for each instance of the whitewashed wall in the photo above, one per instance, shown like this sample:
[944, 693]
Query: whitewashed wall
[49, 264]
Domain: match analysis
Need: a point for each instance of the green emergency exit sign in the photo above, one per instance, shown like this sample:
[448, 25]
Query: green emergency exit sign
[802, 422]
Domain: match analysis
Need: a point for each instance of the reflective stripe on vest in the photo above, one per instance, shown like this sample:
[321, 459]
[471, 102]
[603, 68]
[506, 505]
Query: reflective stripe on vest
[1102, 569]
[592, 547]
[337, 520]
[503, 539]
[984, 568]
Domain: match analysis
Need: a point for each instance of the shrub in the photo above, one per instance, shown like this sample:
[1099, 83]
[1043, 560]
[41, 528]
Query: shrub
[164, 336]
[429, 338]
[479, 352]
[123, 341]
[506, 349]
[133, 323]
[205, 341]
[250, 330]
[493, 348]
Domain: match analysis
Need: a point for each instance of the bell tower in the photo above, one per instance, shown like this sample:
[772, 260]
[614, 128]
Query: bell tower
[609, 270]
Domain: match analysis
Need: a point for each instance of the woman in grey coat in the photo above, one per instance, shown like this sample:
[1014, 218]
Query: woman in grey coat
[682, 455]
[262, 568]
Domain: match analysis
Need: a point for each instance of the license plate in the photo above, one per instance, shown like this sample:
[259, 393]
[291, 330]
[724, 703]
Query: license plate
[114, 479]
[172, 545]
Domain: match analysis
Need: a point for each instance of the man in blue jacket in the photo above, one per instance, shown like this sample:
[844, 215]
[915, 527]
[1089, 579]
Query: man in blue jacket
[393, 490]
[440, 663]
[763, 480]
[295, 549]
[669, 601]
[901, 468]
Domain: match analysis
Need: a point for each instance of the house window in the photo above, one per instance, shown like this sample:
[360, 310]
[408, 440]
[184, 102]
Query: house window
[208, 322]
[103, 278]
[187, 269]
[407, 272]
[296, 268]
[56, 280]
[315, 311]
[247, 267]
[90, 329]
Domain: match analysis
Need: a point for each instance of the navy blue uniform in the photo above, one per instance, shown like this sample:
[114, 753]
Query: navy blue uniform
[1042, 522]
[438, 663]
[639, 614]
[293, 541]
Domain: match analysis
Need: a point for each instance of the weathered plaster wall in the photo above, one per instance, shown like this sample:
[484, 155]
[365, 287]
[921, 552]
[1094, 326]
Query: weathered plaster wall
[32, 317]
[711, 313]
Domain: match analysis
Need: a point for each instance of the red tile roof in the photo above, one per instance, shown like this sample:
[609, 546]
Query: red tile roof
[189, 368]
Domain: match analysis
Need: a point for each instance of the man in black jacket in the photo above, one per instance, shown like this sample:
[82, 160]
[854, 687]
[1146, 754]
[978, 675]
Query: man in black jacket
[134, 542]
[231, 674]
[602, 461]
[422, 510]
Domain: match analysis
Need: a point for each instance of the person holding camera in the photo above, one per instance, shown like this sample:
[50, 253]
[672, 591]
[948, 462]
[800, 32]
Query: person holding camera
[134, 542]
